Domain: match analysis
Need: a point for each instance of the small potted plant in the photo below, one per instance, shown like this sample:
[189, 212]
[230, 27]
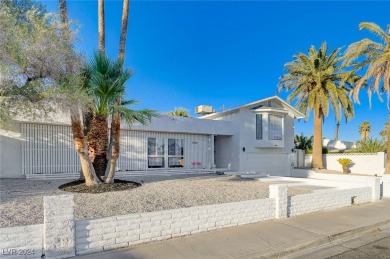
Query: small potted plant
[345, 162]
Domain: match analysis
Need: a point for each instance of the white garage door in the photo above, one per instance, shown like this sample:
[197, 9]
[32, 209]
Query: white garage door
[273, 164]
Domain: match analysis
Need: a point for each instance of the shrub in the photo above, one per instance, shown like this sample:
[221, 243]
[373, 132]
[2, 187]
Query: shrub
[344, 161]
[324, 151]
[302, 142]
[371, 146]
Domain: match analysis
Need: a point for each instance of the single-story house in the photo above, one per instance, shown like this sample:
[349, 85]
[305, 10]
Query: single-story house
[257, 136]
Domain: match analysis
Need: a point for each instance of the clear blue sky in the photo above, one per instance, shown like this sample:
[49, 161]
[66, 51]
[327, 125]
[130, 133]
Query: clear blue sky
[227, 53]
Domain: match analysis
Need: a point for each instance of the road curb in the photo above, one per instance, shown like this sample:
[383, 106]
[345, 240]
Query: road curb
[322, 241]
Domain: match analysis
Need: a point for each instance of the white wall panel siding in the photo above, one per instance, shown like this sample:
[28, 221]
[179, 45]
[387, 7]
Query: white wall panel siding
[134, 149]
[48, 150]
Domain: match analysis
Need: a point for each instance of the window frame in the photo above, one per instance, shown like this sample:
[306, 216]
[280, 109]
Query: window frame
[272, 132]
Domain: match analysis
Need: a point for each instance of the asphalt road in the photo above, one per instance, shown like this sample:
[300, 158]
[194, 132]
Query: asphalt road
[369, 245]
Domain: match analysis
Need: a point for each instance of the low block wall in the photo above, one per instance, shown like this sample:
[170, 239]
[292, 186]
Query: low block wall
[61, 236]
[346, 181]
[363, 163]
[323, 200]
[21, 242]
[113, 232]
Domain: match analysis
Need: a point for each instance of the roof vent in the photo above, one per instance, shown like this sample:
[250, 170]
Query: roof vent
[204, 109]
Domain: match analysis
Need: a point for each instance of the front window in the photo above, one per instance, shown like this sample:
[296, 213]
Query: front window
[259, 126]
[175, 152]
[275, 127]
[156, 153]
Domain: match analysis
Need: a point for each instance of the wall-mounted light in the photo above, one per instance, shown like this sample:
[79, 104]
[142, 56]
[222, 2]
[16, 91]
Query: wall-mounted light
[243, 149]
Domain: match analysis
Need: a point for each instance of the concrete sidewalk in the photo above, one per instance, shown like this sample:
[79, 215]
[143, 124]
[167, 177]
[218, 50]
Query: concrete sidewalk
[268, 239]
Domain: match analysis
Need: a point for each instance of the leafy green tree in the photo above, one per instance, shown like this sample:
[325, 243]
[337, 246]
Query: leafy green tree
[375, 57]
[364, 130]
[316, 81]
[40, 71]
[179, 112]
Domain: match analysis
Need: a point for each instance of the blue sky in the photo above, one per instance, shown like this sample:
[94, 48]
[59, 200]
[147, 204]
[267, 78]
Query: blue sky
[227, 53]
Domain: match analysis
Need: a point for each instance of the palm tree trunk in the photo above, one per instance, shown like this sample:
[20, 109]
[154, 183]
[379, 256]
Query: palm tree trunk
[336, 134]
[114, 149]
[101, 29]
[81, 148]
[387, 168]
[114, 146]
[317, 145]
[77, 128]
[87, 118]
[122, 40]
[98, 142]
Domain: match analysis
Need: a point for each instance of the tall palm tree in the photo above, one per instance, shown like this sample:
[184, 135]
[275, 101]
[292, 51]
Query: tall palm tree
[179, 112]
[383, 133]
[75, 116]
[336, 133]
[114, 146]
[364, 130]
[375, 57]
[101, 27]
[317, 80]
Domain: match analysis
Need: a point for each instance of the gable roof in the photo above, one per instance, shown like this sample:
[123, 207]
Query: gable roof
[297, 114]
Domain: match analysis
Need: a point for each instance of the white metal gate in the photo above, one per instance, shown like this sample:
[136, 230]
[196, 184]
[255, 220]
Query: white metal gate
[48, 151]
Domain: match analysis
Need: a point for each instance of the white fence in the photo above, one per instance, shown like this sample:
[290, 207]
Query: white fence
[363, 163]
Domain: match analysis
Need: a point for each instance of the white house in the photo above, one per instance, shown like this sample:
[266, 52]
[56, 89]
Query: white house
[257, 136]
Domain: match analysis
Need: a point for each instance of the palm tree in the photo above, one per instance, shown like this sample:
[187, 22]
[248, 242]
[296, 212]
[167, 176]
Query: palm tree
[76, 125]
[376, 58]
[364, 130]
[178, 112]
[317, 80]
[302, 142]
[105, 82]
[114, 146]
[336, 133]
[101, 28]
[383, 133]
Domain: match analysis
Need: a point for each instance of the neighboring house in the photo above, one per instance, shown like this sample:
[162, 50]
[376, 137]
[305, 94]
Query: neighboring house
[338, 145]
[258, 136]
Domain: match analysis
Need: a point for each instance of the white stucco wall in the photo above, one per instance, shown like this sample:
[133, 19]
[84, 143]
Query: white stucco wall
[10, 152]
[363, 163]
[261, 156]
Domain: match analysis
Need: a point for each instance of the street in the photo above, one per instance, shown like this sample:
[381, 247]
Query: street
[369, 245]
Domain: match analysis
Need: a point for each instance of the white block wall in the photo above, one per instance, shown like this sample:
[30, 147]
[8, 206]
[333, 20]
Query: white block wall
[113, 232]
[324, 200]
[364, 163]
[21, 242]
[386, 185]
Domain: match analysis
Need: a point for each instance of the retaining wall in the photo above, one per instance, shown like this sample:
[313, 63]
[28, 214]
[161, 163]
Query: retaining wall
[113, 232]
[61, 236]
[21, 242]
[324, 200]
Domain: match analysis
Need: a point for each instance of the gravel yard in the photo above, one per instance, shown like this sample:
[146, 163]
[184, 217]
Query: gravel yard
[22, 200]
